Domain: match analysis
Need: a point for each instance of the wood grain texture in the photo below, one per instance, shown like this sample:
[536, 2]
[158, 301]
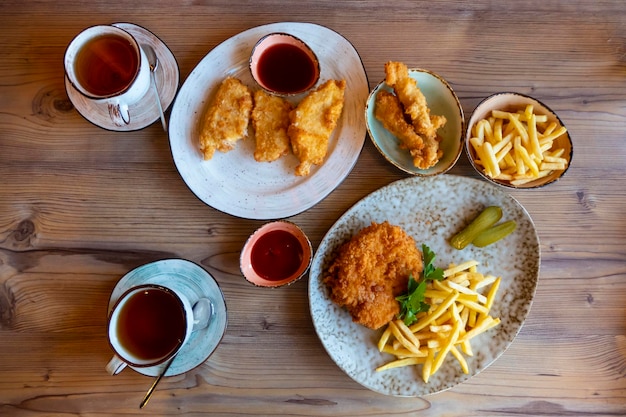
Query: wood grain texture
[80, 206]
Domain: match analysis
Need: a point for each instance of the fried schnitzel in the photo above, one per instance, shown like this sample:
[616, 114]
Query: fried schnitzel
[370, 270]
[312, 123]
[270, 119]
[227, 118]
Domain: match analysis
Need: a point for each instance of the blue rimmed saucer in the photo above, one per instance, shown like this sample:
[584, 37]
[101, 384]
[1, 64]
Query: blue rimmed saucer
[194, 282]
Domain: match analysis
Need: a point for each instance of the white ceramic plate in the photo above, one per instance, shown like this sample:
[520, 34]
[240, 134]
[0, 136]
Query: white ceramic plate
[441, 100]
[430, 209]
[194, 282]
[234, 182]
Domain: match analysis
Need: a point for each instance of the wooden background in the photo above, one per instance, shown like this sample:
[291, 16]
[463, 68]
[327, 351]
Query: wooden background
[80, 206]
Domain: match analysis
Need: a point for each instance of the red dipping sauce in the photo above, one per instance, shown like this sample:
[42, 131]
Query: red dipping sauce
[286, 69]
[277, 255]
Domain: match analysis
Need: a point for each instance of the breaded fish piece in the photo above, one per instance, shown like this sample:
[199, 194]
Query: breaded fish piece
[270, 119]
[371, 270]
[312, 123]
[389, 112]
[227, 118]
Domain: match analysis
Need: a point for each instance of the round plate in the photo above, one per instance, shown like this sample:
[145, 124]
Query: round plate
[234, 182]
[146, 111]
[195, 283]
[441, 100]
[431, 210]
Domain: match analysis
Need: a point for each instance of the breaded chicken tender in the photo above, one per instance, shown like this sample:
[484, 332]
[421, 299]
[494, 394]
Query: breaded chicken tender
[388, 110]
[227, 118]
[270, 119]
[416, 108]
[370, 270]
[312, 123]
[411, 97]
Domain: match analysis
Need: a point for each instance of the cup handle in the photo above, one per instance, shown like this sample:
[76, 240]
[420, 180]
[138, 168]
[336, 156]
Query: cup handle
[119, 113]
[202, 313]
[115, 366]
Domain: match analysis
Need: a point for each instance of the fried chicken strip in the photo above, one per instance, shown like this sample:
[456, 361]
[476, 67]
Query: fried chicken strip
[388, 110]
[227, 118]
[270, 119]
[415, 106]
[370, 270]
[411, 97]
[312, 123]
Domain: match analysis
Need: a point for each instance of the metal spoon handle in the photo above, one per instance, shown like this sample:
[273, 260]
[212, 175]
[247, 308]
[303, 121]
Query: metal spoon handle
[154, 384]
[153, 61]
[158, 100]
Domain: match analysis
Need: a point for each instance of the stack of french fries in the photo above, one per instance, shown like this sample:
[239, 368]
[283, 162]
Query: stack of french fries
[517, 147]
[459, 311]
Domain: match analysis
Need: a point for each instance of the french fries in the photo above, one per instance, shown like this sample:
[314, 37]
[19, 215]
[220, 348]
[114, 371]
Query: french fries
[459, 311]
[517, 147]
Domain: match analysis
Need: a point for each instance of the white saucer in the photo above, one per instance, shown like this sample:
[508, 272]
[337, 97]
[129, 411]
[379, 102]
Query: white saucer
[195, 283]
[146, 111]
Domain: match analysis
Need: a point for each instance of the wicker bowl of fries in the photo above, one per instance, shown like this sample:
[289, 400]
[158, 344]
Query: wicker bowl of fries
[516, 141]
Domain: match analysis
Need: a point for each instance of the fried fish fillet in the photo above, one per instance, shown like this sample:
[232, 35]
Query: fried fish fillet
[370, 270]
[227, 118]
[270, 119]
[313, 121]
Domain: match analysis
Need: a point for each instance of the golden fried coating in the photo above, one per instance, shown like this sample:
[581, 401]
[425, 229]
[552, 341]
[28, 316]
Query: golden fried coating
[270, 119]
[312, 123]
[388, 110]
[411, 98]
[370, 270]
[415, 106]
[227, 118]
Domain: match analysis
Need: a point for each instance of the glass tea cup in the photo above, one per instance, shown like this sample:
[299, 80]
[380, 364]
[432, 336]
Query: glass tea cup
[106, 65]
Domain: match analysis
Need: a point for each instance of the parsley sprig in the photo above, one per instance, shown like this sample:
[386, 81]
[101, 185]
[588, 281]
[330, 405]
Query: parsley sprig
[412, 302]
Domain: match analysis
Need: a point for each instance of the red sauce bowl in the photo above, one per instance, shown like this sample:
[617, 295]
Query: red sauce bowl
[276, 254]
[283, 64]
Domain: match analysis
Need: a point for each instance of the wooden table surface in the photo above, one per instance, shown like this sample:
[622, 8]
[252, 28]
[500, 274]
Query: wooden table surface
[80, 206]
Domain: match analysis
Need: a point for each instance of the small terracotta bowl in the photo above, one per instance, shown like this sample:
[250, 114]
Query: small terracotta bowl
[513, 102]
[276, 254]
[284, 65]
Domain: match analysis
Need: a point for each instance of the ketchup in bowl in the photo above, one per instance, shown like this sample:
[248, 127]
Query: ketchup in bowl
[276, 254]
[284, 65]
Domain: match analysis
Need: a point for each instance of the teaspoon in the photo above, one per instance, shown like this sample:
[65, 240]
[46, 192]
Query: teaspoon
[146, 398]
[202, 313]
[154, 64]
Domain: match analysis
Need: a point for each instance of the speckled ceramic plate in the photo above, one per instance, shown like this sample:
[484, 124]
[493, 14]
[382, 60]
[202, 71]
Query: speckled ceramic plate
[234, 182]
[441, 100]
[195, 283]
[146, 111]
[431, 210]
